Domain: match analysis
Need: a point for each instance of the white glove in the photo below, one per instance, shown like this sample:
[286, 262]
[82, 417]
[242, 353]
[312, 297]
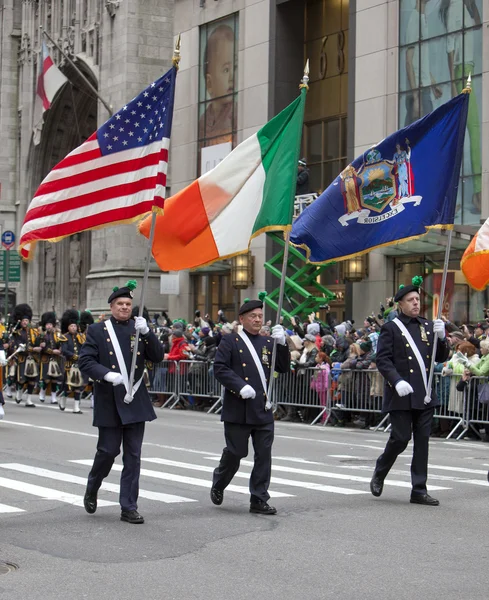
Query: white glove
[141, 325]
[247, 392]
[278, 334]
[439, 328]
[113, 378]
[403, 388]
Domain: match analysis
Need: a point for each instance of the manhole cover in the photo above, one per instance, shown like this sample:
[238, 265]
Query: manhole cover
[6, 567]
[359, 461]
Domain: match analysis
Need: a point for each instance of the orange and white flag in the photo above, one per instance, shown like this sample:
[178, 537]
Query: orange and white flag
[475, 261]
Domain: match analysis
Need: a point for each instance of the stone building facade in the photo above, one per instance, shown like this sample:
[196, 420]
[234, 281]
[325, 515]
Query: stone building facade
[119, 46]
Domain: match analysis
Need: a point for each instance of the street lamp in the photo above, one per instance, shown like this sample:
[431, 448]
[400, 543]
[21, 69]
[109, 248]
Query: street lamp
[242, 271]
[355, 269]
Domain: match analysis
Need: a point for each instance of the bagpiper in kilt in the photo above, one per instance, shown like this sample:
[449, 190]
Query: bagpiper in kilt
[22, 366]
[48, 345]
[73, 381]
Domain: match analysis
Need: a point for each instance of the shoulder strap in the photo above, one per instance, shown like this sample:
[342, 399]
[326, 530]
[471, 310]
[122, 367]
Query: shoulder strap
[414, 348]
[255, 358]
[120, 358]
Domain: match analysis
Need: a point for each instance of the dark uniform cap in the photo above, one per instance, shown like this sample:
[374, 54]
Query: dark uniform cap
[123, 292]
[405, 290]
[250, 305]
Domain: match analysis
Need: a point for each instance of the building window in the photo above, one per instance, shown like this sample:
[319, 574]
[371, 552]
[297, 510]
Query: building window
[325, 149]
[213, 292]
[217, 91]
[440, 44]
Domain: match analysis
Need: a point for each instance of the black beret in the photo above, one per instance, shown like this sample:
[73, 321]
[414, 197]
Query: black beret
[250, 305]
[123, 292]
[405, 290]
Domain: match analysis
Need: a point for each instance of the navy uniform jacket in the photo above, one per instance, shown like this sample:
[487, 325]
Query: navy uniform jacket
[97, 358]
[396, 360]
[234, 368]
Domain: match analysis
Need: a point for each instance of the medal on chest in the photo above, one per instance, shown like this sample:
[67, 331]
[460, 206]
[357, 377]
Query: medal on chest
[133, 340]
[264, 355]
[422, 330]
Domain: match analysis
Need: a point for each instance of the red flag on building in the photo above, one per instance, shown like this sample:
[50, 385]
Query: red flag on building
[116, 176]
[49, 82]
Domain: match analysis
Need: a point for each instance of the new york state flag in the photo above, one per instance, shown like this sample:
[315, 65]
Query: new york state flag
[396, 191]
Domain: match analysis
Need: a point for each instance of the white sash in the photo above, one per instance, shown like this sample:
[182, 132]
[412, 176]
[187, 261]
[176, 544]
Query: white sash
[256, 359]
[120, 358]
[415, 349]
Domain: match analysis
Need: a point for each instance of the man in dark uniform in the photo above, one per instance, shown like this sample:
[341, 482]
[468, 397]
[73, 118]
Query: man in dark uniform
[404, 352]
[242, 366]
[106, 357]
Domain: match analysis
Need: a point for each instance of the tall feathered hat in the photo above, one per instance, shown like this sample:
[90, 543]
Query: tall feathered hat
[70, 317]
[48, 317]
[86, 319]
[21, 311]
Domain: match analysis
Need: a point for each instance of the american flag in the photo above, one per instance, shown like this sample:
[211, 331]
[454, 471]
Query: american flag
[116, 176]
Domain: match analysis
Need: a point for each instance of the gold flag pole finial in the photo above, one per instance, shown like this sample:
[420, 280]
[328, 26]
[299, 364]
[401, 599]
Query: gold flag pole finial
[176, 52]
[468, 87]
[305, 77]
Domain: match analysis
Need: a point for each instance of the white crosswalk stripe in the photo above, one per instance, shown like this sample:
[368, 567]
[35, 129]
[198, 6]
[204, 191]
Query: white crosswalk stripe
[5, 508]
[188, 480]
[107, 487]
[303, 484]
[47, 493]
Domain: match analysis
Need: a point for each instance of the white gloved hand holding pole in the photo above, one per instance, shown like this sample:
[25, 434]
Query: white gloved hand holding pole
[113, 378]
[403, 388]
[439, 328]
[247, 392]
[141, 325]
[278, 334]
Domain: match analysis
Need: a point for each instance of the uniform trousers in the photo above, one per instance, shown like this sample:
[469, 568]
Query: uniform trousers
[404, 423]
[237, 436]
[108, 447]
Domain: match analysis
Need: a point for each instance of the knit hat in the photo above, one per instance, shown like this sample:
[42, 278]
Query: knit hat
[205, 330]
[313, 328]
[177, 333]
[310, 338]
[341, 329]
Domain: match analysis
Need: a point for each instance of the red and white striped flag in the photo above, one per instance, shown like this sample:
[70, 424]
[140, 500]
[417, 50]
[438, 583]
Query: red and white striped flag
[50, 80]
[116, 176]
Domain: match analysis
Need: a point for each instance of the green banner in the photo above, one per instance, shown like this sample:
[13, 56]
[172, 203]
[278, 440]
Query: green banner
[14, 266]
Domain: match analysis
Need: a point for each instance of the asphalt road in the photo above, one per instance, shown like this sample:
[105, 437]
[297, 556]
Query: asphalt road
[330, 538]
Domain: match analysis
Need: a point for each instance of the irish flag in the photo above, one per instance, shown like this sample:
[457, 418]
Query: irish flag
[475, 261]
[251, 191]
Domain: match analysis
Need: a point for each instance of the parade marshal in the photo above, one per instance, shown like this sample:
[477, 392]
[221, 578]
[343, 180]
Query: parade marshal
[106, 358]
[404, 353]
[242, 366]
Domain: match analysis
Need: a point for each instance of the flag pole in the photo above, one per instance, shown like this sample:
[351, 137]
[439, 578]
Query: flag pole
[427, 400]
[128, 397]
[270, 400]
[107, 106]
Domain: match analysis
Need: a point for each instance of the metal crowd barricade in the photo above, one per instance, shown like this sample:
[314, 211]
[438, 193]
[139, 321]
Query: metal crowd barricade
[196, 380]
[294, 389]
[164, 381]
[476, 411]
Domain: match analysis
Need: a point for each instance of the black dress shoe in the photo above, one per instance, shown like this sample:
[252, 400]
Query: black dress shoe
[90, 502]
[425, 499]
[376, 486]
[217, 496]
[262, 508]
[132, 516]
